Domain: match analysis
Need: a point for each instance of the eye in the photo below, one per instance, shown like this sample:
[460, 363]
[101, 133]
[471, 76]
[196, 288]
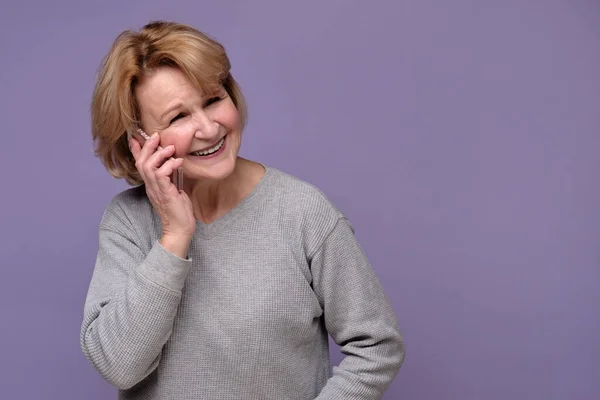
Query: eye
[212, 100]
[178, 116]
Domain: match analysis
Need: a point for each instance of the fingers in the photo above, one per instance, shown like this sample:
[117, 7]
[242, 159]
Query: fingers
[154, 164]
[159, 157]
[150, 146]
[142, 152]
[164, 173]
[135, 148]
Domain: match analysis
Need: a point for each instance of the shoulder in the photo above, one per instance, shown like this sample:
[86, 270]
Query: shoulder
[304, 207]
[301, 196]
[128, 208]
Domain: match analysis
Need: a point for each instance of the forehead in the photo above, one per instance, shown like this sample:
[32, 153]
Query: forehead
[166, 86]
[162, 85]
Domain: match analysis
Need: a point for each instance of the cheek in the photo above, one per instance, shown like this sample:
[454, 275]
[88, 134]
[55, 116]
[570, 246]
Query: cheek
[228, 116]
[179, 137]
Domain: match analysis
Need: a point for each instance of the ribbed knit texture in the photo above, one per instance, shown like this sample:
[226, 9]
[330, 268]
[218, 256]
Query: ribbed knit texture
[247, 314]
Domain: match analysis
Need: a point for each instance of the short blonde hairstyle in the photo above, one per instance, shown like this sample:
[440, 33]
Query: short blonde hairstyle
[114, 110]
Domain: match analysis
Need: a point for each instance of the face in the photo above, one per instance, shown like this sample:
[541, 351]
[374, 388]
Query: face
[205, 130]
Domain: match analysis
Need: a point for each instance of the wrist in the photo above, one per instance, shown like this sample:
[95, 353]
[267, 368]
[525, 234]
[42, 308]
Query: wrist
[176, 244]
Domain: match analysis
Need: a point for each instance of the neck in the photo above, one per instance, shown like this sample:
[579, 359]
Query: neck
[213, 199]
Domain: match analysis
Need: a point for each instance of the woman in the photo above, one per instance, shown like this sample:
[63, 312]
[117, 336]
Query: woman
[228, 288]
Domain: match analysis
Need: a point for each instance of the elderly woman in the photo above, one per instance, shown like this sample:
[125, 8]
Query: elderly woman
[226, 287]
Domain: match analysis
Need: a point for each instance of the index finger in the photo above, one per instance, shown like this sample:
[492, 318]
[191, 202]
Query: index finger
[135, 147]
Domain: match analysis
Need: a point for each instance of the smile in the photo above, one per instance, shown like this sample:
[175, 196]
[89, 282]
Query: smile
[211, 150]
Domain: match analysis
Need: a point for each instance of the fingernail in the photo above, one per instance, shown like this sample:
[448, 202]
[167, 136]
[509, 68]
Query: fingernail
[154, 135]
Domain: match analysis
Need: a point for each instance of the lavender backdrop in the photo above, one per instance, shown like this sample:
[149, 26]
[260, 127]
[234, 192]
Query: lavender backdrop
[460, 137]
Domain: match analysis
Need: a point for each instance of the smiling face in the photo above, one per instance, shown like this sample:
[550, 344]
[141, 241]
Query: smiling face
[206, 130]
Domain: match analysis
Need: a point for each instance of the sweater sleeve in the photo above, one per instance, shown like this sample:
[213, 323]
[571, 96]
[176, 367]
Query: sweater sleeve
[358, 316]
[131, 304]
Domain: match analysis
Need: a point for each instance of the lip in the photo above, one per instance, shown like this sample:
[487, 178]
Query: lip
[213, 155]
[208, 147]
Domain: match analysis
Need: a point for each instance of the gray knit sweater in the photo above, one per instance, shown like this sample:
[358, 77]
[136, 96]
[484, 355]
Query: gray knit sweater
[248, 313]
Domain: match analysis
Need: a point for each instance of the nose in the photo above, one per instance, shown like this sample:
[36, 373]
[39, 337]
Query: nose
[206, 128]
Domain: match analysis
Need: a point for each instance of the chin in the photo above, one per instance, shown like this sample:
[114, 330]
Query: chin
[217, 171]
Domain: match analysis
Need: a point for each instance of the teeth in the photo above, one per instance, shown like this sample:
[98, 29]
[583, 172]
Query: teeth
[213, 149]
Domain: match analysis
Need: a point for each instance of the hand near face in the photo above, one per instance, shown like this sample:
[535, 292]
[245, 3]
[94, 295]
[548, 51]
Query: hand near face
[173, 206]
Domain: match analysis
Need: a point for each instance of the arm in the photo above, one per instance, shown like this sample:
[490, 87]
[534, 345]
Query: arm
[358, 316]
[131, 304]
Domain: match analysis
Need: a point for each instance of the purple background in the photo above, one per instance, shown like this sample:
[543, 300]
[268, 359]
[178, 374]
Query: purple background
[460, 137]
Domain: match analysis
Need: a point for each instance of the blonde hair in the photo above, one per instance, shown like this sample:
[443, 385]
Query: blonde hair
[133, 55]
